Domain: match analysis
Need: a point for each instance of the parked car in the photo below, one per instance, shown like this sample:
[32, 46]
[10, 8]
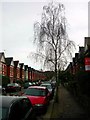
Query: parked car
[16, 108]
[2, 90]
[50, 88]
[39, 97]
[13, 87]
[27, 84]
[53, 84]
[33, 83]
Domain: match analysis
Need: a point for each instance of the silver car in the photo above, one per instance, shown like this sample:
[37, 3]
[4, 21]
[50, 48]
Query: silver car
[50, 89]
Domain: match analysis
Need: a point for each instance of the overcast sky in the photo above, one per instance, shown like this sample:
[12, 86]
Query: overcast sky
[16, 26]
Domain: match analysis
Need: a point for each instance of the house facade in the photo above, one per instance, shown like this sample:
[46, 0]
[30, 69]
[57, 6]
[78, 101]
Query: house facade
[3, 66]
[87, 53]
[29, 73]
[22, 74]
[81, 61]
[10, 68]
[16, 71]
[26, 72]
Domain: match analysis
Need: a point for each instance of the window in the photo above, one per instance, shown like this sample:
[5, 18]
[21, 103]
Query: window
[25, 106]
[20, 110]
[4, 112]
[35, 92]
[15, 112]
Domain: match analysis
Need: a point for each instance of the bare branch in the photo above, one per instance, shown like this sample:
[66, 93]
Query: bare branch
[51, 35]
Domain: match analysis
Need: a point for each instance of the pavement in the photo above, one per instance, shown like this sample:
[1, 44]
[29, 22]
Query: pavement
[66, 108]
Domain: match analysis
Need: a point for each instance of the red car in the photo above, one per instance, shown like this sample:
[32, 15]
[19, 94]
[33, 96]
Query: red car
[39, 97]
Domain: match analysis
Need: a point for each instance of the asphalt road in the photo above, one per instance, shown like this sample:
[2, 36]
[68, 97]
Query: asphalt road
[48, 113]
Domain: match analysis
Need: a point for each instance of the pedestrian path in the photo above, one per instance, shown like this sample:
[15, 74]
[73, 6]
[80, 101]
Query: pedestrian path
[67, 107]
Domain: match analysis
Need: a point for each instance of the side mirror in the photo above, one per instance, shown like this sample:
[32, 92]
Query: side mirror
[48, 94]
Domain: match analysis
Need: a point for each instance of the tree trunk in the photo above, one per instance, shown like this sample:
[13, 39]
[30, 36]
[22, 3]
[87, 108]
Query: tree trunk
[56, 95]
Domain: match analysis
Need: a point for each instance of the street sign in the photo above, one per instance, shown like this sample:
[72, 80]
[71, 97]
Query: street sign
[87, 64]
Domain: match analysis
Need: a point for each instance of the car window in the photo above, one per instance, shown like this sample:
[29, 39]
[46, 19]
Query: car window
[35, 92]
[20, 109]
[48, 86]
[15, 112]
[3, 112]
[11, 84]
[25, 105]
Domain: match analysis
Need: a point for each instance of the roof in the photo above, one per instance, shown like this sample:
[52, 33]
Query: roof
[16, 63]
[26, 67]
[2, 55]
[9, 60]
[7, 100]
[29, 68]
[21, 65]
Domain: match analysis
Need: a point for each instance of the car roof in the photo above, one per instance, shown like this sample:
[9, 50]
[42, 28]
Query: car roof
[7, 100]
[12, 83]
[38, 87]
[46, 84]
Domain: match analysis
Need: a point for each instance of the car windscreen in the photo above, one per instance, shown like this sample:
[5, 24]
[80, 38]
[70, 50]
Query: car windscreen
[12, 84]
[47, 86]
[28, 83]
[35, 92]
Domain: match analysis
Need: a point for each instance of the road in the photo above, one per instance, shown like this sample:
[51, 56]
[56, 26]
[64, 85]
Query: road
[47, 115]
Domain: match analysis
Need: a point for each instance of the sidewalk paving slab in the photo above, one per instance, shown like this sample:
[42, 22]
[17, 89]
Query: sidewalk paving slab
[67, 107]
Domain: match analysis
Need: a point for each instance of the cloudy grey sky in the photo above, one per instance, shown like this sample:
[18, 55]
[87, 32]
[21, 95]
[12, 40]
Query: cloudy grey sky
[17, 18]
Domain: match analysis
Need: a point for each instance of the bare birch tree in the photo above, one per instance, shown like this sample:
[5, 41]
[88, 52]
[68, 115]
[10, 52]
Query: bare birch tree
[51, 37]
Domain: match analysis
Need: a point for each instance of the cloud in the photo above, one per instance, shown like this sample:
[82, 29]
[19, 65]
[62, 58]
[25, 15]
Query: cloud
[89, 19]
[19, 16]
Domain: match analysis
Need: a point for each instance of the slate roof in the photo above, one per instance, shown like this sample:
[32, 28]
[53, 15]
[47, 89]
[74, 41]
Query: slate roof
[21, 65]
[29, 68]
[26, 67]
[16, 63]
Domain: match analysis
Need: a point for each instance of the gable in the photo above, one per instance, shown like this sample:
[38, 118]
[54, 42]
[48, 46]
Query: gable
[12, 63]
[23, 67]
[18, 66]
[2, 59]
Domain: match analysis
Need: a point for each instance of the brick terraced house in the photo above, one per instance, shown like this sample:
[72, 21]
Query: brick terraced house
[3, 66]
[22, 74]
[13, 71]
[16, 71]
[10, 68]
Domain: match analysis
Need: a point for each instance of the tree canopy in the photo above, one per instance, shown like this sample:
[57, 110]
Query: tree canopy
[53, 43]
